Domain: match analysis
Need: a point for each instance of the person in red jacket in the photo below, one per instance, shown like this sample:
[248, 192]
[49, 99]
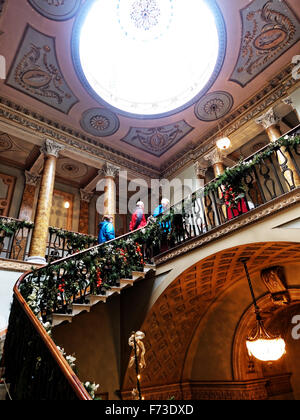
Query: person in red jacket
[138, 219]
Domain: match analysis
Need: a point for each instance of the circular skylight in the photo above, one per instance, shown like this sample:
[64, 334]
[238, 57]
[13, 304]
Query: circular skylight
[148, 57]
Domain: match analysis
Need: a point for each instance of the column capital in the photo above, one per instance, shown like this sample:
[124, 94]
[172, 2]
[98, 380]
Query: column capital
[109, 170]
[86, 196]
[51, 148]
[31, 179]
[268, 119]
[215, 156]
[200, 170]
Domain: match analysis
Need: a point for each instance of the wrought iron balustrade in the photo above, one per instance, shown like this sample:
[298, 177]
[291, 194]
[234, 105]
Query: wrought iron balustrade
[62, 243]
[15, 236]
[261, 178]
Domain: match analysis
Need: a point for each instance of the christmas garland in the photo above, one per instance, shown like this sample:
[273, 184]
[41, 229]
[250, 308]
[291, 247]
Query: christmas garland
[11, 226]
[75, 241]
[232, 177]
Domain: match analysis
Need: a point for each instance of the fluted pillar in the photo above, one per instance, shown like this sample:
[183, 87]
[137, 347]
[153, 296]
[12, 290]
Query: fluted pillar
[40, 233]
[270, 122]
[109, 172]
[85, 199]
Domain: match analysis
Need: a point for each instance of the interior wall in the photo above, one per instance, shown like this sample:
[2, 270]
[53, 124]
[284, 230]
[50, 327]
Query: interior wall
[76, 203]
[18, 189]
[187, 177]
[8, 280]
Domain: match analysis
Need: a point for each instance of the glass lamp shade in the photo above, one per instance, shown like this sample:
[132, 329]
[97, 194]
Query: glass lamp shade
[223, 143]
[265, 347]
[66, 205]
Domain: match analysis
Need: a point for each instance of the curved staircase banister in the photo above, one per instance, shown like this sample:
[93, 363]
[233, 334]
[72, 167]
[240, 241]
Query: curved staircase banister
[67, 371]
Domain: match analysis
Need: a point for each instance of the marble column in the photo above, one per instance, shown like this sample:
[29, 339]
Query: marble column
[216, 159]
[38, 246]
[270, 122]
[85, 199]
[110, 172]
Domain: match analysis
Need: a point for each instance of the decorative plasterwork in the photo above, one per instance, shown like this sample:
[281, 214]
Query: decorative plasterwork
[100, 122]
[35, 71]
[109, 170]
[200, 170]
[215, 156]
[270, 28]
[31, 179]
[1, 7]
[20, 267]
[43, 127]
[86, 196]
[213, 106]
[51, 148]
[157, 141]
[6, 143]
[56, 9]
[68, 168]
[274, 91]
[268, 119]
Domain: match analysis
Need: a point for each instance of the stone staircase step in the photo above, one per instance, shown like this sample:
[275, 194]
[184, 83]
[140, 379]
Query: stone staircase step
[78, 308]
[149, 267]
[94, 299]
[128, 282]
[58, 319]
[137, 275]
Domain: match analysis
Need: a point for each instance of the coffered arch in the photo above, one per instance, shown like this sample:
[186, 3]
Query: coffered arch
[173, 320]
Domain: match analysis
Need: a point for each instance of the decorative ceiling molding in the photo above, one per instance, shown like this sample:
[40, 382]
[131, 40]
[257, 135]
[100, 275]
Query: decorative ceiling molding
[68, 168]
[275, 90]
[44, 127]
[35, 71]
[214, 106]
[56, 9]
[159, 140]
[270, 28]
[100, 122]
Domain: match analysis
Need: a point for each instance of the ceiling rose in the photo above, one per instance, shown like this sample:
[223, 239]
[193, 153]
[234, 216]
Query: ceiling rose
[148, 58]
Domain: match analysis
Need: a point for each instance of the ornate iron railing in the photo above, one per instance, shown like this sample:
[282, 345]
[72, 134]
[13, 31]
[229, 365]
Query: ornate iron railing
[62, 243]
[15, 238]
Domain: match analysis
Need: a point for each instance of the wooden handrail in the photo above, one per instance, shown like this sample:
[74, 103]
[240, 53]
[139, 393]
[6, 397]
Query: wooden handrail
[67, 371]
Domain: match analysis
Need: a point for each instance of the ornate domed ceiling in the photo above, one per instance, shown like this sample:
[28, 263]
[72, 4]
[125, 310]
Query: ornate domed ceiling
[135, 82]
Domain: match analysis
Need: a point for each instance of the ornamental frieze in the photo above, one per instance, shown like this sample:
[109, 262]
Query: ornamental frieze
[159, 140]
[36, 72]
[270, 28]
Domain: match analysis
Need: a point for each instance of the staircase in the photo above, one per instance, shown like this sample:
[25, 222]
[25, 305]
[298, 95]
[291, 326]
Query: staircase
[92, 300]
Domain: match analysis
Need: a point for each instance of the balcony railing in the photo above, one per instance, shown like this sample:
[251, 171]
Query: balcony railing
[55, 287]
[15, 236]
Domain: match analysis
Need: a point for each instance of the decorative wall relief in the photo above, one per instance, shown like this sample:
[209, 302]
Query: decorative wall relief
[157, 141]
[56, 9]
[270, 28]
[215, 104]
[36, 72]
[100, 122]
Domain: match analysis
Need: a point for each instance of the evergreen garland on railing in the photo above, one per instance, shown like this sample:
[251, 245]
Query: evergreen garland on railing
[78, 241]
[232, 177]
[11, 226]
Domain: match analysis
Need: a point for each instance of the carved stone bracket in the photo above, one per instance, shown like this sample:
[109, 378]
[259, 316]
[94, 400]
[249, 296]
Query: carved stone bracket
[51, 148]
[86, 196]
[200, 170]
[268, 119]
[109, 170]
[275, 281]
[32, 179]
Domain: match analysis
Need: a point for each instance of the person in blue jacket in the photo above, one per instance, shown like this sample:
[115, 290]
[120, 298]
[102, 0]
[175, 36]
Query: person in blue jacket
[106, 230]
[162, 207]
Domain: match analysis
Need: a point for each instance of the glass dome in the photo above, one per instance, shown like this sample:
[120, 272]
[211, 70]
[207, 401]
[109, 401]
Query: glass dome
[148, 57]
